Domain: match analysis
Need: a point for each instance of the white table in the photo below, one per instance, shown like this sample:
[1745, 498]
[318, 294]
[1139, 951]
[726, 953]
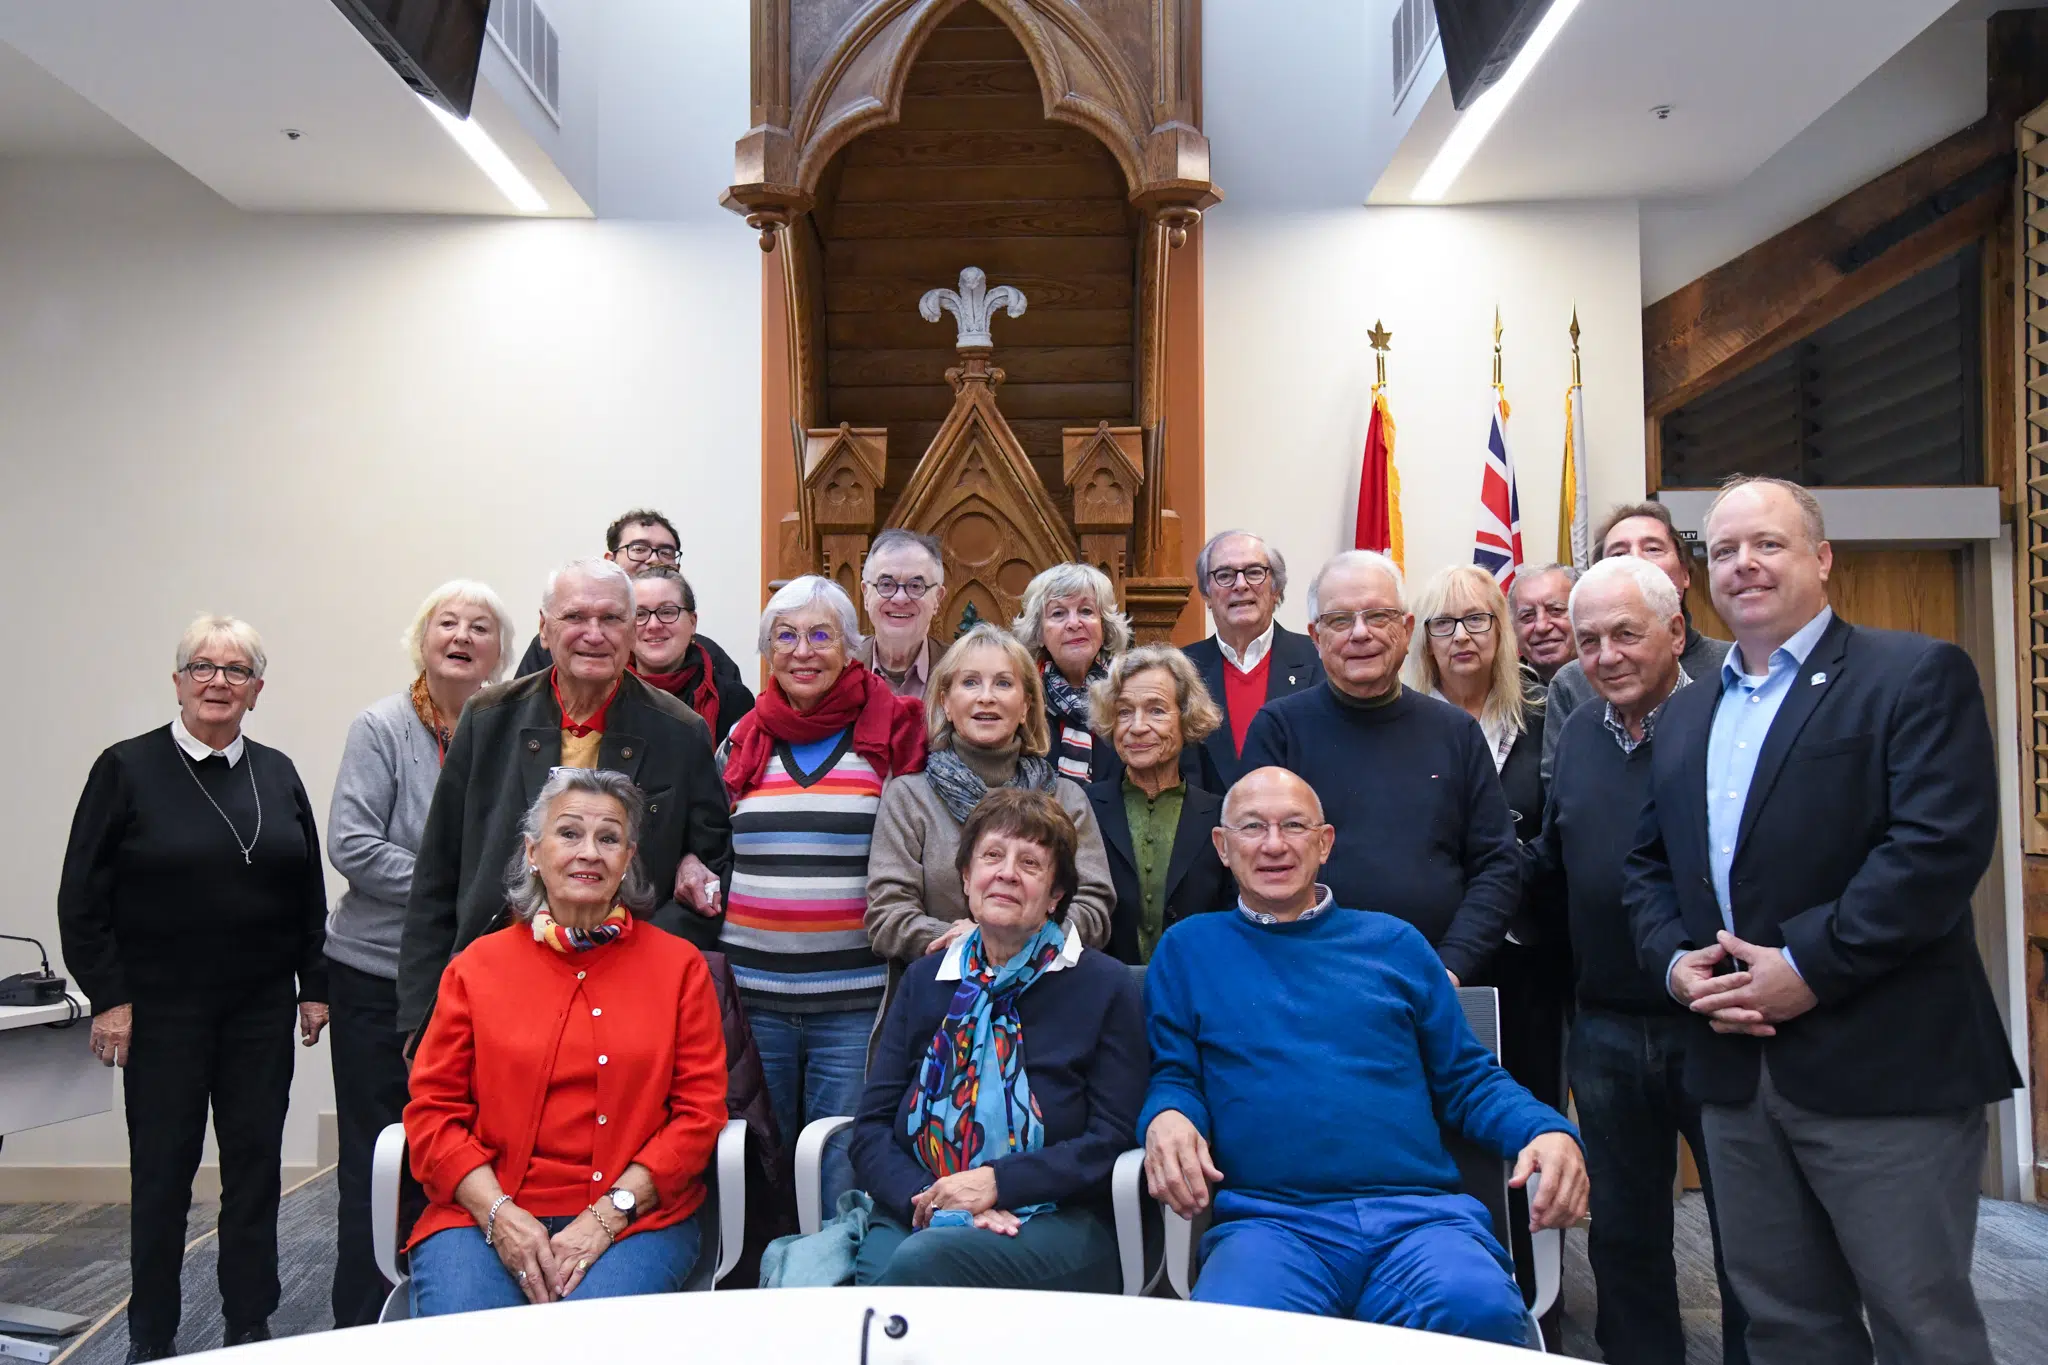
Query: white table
[47, 1075]
[825, 1327]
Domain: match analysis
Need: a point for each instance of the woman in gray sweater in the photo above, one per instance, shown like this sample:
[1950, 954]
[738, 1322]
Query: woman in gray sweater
[985, 710]
[388, 770]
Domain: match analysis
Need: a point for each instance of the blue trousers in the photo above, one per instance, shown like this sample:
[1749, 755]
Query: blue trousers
[1430, 1262]
[454, 1272]
[1070, 1249]
[816, 1065]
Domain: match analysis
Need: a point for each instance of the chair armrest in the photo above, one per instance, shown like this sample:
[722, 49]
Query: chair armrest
[732, 1196]
[810, 1161]
[1180, 1251]
[1126, 1193]
[1546, 1248]
[387, 1168]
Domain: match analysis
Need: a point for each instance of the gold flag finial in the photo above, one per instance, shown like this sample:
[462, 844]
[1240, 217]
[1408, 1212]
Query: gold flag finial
[1575, 345]
[1382, 341]
[1496, 346]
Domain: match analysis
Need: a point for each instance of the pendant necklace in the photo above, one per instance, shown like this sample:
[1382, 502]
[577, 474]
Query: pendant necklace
[248, 762]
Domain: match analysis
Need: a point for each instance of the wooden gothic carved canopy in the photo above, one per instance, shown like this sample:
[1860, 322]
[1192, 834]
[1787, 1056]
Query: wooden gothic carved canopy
[900, 145]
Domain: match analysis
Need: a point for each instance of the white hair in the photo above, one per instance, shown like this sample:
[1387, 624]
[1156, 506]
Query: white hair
[594, 571]
[1071, 580]
[1356, 559]
[207, 628]
[807, 591]
[524, 893]
[1660, 594]
[473, 593]
[1275, 561]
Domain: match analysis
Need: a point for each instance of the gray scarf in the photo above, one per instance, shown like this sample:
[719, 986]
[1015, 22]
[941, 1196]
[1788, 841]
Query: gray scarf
[961, 788]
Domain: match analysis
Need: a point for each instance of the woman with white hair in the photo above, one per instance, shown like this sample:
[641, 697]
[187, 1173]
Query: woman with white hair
[195, 928]
[1071, 626]
[457, 642]
[804, 771]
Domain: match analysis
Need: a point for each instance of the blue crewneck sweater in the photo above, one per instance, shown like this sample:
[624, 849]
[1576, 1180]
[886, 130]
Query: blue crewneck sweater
[1320, 1056]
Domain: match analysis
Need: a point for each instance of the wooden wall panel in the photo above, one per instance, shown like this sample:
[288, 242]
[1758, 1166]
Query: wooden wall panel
[1890, 589]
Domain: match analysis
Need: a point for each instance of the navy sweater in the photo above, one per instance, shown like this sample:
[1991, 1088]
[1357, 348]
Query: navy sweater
[1422, 825]
[1322, 1058]
[1084, 1052]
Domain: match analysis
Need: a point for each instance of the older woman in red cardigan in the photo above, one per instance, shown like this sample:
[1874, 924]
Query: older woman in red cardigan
[570, 1086]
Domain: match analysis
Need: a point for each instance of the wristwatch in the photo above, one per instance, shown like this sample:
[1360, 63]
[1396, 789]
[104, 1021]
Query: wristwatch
[624, 1202]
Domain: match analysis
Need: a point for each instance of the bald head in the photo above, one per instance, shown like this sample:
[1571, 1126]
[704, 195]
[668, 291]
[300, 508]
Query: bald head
[1274, 840]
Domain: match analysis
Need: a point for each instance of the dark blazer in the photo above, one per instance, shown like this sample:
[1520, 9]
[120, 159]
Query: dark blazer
[1296, 667]
[1084, 1054]
[735, 698]
[1868, 825]
[1521, 781]
[508, 738]
[1196, 879]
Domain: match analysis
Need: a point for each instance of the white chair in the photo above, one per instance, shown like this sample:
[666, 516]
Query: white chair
[724, 1210]
[1485, 1176]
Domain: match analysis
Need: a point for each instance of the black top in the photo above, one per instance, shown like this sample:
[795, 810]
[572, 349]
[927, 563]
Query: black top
[1422, 827]
[1294, 666]
[1086, 1059]
[156, 899]
[1196, 879]
[1869, 822]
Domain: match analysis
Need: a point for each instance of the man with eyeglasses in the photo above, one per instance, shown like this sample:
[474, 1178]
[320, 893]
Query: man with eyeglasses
[903, 584]
[1251, 659]
[1430, 839]
[585, 710]
[1310, 1056]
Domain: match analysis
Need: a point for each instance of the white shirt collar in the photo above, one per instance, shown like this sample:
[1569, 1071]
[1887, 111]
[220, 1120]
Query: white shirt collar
[1499, 738]
[1791, 654]
[1253, 652]
[1070, 953]
[1324, 900]
[199, 751]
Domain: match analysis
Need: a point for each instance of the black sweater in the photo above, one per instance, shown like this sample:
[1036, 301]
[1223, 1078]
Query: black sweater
[1084, 1053]
[1595, 800]
[155, 898]
[1422, 827]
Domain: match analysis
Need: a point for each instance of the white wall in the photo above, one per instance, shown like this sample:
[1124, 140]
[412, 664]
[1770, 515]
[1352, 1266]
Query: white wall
[311, 421]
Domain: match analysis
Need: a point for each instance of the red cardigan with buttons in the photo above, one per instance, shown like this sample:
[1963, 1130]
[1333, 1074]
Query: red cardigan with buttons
[482, 1079]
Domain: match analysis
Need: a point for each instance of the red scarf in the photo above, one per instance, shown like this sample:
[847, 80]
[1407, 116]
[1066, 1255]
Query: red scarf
[888, 730]
[702, 696]
[581, 728]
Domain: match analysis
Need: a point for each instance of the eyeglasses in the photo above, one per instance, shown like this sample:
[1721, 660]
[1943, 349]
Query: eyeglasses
[786, 640]
[640, 551]
[1255, 831]
[1252, 574]
[1378, 620]
[668, 613]
[1475, 623]
[235, 675]
[886, 588]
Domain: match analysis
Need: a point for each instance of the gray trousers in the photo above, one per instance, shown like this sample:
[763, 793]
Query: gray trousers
[1824, 1218]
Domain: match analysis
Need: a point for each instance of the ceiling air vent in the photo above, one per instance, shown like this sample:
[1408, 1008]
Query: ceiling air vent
[1414, 32]
[522, 32]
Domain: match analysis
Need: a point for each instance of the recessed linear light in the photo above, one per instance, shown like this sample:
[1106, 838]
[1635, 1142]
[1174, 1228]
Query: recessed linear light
[1471, 130]
[491, 159]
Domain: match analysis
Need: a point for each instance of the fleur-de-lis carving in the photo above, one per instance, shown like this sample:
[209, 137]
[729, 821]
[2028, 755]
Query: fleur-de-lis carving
[972, 306]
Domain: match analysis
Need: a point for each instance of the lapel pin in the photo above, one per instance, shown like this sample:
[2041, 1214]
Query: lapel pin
[1816, 680]
[1290, 679]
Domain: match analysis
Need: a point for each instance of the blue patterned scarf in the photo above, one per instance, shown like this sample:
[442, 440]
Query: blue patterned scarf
[956, 1123]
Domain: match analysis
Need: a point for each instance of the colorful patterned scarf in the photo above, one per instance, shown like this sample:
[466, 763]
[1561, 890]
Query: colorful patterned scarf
[956, 1123]
[565, 940]
[1066, 710]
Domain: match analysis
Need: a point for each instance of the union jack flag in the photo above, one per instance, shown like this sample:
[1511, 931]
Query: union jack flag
[1497, 539]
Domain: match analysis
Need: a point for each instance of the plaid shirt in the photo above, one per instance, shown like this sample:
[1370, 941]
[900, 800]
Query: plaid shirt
[1620, 731]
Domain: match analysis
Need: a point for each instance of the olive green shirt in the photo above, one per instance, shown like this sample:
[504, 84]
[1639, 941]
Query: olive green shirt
[1154, 822]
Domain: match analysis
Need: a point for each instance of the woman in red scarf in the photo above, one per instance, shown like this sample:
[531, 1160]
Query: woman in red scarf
[669, 654]
[804, 770]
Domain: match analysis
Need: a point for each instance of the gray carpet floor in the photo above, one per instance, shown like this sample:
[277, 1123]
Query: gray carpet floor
[73, 1257]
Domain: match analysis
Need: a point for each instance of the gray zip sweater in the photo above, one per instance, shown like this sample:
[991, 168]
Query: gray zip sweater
[381, 794]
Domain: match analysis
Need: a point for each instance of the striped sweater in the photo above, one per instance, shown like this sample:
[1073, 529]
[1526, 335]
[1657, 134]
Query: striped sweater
[795, 919]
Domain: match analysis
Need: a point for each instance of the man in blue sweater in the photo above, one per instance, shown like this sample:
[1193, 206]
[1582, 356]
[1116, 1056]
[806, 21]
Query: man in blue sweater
[1305, 1060]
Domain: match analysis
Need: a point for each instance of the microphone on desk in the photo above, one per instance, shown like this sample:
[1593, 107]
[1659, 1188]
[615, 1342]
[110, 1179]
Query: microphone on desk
[31, 988]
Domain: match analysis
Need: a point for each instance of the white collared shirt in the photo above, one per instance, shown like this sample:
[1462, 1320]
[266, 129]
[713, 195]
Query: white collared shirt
[1253, 652]
[1070, 953]
[1499, 738]
[1324, 900]
[199, 750]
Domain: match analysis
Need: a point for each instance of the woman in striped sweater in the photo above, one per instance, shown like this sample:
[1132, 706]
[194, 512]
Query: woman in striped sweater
[804, 771]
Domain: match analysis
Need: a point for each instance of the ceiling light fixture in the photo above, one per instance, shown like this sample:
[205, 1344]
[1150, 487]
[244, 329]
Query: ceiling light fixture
[1471, 130]
[492, 161]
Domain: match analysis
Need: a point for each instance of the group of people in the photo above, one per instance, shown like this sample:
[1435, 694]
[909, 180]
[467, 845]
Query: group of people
[597, 910]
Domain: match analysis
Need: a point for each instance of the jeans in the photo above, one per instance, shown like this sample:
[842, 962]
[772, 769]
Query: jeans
[1070, 1249]
[816, 1065]
[369, 1093]
[454, 1272]
[1627, 1074]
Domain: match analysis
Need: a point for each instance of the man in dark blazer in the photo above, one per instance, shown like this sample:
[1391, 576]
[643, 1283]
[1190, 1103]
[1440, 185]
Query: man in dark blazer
[588, 710]
[1820, 812]
[1251, 659]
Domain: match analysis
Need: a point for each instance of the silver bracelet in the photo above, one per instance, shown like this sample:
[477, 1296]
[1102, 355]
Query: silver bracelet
[491, 1222]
